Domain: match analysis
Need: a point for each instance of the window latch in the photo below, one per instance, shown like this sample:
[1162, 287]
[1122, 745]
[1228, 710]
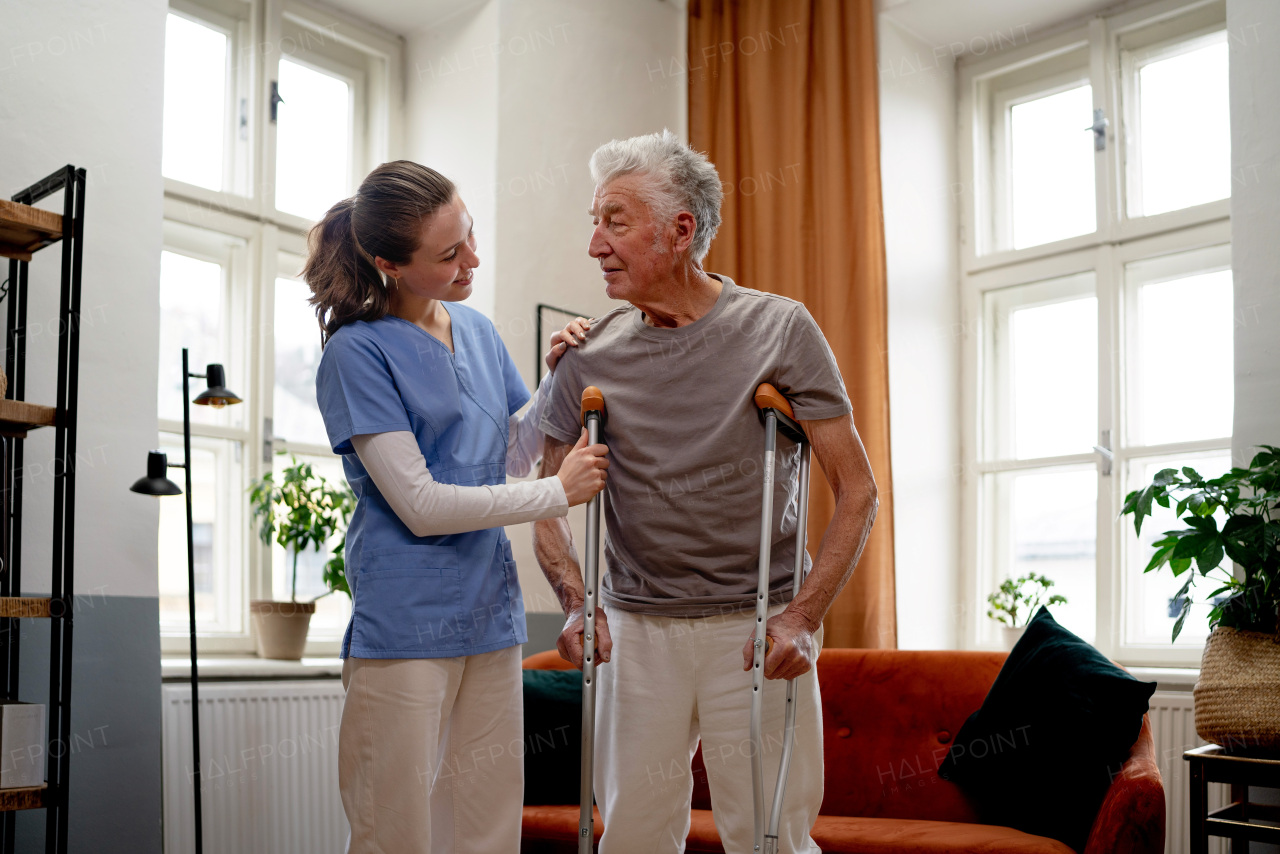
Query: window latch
[276, 100]
[1099, 128]
[1104, 451]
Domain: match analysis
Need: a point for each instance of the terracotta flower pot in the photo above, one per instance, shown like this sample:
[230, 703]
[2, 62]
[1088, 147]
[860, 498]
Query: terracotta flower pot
[1238, 695]
[281, 627]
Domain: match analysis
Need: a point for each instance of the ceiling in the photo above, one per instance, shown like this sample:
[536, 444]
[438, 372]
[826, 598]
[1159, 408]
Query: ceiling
[936, 22]
[405, 16]
[975, 22]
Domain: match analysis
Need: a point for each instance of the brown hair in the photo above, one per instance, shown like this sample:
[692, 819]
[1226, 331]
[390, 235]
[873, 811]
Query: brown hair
[382, 220]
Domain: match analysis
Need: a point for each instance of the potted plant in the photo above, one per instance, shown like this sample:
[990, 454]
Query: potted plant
[1016, 602]
[1237, 697]
[303, 510]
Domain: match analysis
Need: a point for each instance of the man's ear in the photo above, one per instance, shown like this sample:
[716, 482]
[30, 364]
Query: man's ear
[686, 228]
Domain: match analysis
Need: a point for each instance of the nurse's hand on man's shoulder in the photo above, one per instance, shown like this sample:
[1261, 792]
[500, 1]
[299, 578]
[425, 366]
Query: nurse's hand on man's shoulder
[583, 472]
[793, 652]
[562, 339]
[570, 644]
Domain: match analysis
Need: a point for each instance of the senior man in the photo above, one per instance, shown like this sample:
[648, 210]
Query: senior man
[678, 367]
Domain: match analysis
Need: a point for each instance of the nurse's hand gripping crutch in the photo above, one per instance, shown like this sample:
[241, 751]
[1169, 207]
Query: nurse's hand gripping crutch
[592, 419]
[778, 416]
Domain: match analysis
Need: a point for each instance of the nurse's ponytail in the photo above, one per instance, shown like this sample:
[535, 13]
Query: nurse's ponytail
[382, 220]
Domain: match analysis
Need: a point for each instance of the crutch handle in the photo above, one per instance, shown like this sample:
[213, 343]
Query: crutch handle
[592, 401]
[768, 644]
[767, 397]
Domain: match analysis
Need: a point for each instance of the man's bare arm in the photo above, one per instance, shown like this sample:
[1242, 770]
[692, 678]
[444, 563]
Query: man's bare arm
[553, 547]
[843, 459]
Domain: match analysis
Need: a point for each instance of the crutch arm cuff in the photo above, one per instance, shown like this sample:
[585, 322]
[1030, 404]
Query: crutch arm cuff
[592, 401]
[768, 397]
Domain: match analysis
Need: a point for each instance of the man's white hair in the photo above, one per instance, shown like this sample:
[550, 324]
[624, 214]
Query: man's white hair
[682, 179]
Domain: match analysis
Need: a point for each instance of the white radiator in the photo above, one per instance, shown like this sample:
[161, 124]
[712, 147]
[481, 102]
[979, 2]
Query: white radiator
[1173, 725]
[269, 756]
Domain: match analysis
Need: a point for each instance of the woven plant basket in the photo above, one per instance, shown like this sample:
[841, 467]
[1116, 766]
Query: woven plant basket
[1238, 696]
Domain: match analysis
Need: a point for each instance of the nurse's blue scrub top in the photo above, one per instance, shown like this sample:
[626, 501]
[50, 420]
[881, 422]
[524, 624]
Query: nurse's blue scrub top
[425, 597]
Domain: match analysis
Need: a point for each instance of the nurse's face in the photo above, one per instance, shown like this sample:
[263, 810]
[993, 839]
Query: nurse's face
[442, 267]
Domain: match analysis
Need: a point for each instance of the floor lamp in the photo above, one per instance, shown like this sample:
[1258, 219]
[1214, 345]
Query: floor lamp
[157, 483]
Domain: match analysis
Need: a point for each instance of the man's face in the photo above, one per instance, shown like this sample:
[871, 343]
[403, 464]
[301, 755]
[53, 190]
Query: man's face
[633, 250]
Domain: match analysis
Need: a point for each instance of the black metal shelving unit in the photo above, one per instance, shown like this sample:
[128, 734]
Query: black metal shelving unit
[24, 231]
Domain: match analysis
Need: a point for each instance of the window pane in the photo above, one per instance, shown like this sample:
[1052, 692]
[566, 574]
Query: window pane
[1151, 609]
[297, 344]
[1055, 378]
[1046, 522]
[1184, 380]
[216, 502]
[333, 611]
[192, 300]
[1184, 130]
[313, 141]
[1052, 168]
[195, 102]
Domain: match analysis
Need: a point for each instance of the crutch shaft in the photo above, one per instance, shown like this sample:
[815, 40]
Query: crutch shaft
[762, 616]
[592, 416]
[778, 414]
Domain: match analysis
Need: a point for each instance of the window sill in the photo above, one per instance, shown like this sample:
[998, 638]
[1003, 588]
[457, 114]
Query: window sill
[248, 667]
[1179, 679]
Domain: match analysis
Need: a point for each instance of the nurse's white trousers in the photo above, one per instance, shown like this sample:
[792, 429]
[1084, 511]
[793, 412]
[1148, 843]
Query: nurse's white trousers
[430, 754]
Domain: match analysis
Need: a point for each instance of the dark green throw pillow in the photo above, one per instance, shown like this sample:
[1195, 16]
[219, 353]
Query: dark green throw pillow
[1053, 732]
[552, 736]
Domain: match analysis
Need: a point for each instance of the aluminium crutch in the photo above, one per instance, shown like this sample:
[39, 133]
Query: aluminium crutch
[593, 420]
[778, 416]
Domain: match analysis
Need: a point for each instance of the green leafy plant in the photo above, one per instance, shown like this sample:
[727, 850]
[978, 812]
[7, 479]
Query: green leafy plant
[1018, 599]
[1248, 500]
[304, 510]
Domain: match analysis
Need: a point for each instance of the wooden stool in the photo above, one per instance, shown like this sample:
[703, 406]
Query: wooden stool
[1213, 764]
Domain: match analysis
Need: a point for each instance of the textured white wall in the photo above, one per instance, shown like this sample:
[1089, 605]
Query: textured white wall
[1253, 28]
[918, 173]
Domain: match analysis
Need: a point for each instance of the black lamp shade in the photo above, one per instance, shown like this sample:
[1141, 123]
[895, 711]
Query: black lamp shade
[156, 482]
[216, 395]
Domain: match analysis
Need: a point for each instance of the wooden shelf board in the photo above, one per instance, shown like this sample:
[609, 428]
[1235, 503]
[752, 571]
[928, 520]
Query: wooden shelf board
[24, 229]
[18, 416]
[22, 607]
[26, 798]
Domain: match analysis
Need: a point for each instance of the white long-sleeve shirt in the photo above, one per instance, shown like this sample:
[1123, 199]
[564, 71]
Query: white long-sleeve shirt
[428, 508]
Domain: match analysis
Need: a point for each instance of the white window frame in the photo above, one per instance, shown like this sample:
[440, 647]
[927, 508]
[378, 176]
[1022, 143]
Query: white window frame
[1118, 241]
[247, 212]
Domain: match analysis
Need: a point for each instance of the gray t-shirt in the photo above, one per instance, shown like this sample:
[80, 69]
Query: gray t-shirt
[686, 445]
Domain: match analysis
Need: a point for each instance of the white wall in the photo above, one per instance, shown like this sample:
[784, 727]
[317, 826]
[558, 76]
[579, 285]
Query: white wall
[509, 99]
[594, 76]
[1253, 27]
[81, 83]
[451, 120]
[918, 176]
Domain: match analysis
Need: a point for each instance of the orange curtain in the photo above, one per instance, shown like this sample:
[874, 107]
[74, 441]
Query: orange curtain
[783, 99]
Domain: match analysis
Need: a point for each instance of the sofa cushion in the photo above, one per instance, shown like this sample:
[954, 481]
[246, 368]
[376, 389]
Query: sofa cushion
[552, 736]
[1056, 727]
[888, 720]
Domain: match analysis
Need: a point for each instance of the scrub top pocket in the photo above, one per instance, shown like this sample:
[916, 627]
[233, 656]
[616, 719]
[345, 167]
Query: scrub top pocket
[409, 598]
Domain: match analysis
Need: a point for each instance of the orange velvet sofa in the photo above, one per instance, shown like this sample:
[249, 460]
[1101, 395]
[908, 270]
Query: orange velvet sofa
[888, 719]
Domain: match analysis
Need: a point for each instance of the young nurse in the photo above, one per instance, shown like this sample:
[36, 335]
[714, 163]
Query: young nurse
[419, 397]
